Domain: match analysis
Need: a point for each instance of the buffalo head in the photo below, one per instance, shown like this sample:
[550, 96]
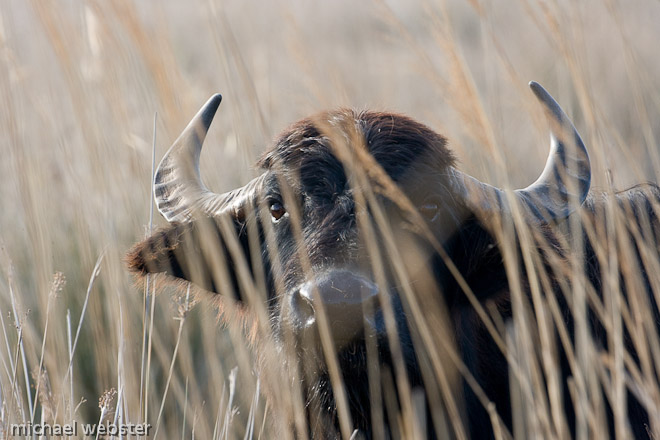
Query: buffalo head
[339, 194]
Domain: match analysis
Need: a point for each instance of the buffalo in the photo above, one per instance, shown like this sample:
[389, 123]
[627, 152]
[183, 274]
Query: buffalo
[389, 281]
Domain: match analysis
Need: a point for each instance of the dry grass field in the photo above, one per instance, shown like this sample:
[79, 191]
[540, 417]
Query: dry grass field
[83, 84]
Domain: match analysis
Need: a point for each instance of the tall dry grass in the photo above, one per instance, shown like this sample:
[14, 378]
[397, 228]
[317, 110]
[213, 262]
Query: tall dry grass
[81, 81]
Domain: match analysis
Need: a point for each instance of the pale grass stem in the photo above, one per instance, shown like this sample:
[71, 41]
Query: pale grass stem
[149, 300]
[20, 348]
[182, 320]
[95, 273]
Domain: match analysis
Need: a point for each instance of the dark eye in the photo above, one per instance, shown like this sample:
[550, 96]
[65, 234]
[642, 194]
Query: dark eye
[429, 210]
[277, 211]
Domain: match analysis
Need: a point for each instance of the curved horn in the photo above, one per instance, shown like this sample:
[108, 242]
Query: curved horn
[178, 187]
[564, 183]
[560, 189]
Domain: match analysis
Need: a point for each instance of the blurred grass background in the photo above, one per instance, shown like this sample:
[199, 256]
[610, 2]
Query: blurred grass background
[80, 82]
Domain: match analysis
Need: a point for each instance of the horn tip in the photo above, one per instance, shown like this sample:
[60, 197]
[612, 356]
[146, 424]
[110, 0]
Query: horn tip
[209, 109]
[548, 101]
[538, 90]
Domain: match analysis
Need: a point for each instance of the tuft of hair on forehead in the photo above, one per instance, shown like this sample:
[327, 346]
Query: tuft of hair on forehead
[395, 141]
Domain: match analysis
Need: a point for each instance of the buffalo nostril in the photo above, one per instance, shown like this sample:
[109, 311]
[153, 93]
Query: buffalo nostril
[302, 307]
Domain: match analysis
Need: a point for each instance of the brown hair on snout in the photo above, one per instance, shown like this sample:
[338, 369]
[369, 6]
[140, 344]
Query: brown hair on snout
[175, 250]
[191, 257]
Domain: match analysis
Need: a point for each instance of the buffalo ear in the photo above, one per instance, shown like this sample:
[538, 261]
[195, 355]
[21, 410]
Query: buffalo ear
[202, 251]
